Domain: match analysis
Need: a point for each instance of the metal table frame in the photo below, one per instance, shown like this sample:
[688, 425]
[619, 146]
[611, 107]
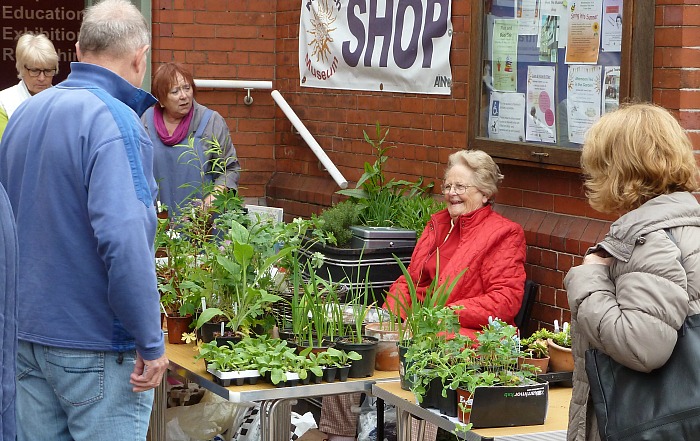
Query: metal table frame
[275, 402]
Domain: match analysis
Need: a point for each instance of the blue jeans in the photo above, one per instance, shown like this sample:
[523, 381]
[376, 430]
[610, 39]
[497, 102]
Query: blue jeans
[69, 394]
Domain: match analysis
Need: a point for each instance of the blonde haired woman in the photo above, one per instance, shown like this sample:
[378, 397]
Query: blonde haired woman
[636, 287]
[37, 64]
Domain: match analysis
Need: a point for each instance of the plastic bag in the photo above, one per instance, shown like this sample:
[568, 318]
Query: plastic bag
[249, 428]
[367, 423]
[212, 416]
[302, 424]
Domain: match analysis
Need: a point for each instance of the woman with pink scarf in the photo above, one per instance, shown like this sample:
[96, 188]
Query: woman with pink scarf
[193, 156]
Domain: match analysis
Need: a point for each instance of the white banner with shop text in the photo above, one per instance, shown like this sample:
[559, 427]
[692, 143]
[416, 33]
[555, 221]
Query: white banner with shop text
[379, 45]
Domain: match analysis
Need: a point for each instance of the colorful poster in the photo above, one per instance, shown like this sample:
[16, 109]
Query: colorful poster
[390, 46]
[583, 106]
[612, 26]
[548, 42]
[505, 55]
[559, 8]
[611, 89]
[583, 39]
[507, 116]
[528, 14]
[541, 123]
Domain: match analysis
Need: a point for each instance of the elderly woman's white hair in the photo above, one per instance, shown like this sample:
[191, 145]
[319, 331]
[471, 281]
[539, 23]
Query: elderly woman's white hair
[487, 175]
[34, 50]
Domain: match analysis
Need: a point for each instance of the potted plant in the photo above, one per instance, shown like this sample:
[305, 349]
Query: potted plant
[238, 279]
[499, 392]
[386, 331]
[559, 346]
[395, 210]
[340, 360]
[356, 340]
[317, 317]
[232, 364]
[423, 318]
[179, 296]
[437, 370]
[536, 350]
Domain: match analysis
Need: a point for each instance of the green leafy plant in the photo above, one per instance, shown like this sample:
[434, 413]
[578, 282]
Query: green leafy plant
[337, 220]
[535, 346]
[563, 337]
[339, 358]
[380, 202]
[425, 318]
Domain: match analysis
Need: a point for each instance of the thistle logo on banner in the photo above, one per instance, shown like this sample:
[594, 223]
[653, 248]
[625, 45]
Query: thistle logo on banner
[319, 60]
[376, 45]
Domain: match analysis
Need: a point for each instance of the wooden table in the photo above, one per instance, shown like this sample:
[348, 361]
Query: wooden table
[553, 429]
[275, 402]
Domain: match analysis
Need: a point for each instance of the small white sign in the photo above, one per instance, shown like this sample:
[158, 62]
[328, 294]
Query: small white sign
[259, 213]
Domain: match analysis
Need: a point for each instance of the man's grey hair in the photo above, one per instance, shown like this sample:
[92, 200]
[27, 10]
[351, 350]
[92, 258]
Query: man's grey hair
[113, 27]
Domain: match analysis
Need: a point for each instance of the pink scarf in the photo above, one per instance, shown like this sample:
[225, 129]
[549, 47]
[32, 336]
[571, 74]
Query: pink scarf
[180, 132]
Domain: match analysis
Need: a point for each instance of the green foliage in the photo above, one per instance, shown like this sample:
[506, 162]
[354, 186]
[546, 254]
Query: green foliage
[219, 256]
[336, 220]
[271, 356]
[426, 318]
[459, 363]
[563, 337]
[379, 202]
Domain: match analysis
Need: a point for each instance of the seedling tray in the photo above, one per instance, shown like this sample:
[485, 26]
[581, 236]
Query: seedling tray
[234, 378]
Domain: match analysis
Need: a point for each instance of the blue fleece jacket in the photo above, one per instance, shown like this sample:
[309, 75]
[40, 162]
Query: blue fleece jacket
[78, 169]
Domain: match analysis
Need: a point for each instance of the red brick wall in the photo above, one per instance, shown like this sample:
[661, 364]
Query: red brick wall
[259, 41]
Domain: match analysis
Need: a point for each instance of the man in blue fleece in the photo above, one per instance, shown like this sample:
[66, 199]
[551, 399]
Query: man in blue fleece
[77, 166]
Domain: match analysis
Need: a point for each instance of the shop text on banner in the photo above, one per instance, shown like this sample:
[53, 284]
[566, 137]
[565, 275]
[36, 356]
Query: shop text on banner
[380, 45]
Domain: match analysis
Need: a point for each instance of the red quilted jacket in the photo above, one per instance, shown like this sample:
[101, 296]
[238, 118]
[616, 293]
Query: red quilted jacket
[492, 248]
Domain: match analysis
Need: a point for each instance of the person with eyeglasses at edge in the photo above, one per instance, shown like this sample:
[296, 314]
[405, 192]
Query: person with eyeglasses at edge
[470, 235]
[37, 64]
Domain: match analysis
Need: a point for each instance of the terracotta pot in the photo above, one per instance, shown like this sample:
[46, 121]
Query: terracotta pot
[464, 397]
[176, 327]
[300, 346]
[541, 363]
[560, 358]
[387, 358]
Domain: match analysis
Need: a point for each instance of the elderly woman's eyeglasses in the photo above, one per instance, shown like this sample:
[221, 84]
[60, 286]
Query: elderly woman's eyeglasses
[36, 72]
[457, 188]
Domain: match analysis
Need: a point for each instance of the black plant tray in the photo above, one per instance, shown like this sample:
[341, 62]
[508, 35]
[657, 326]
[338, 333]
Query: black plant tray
[557, 377]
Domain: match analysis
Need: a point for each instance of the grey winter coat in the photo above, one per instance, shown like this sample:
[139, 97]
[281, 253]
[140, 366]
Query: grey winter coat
[632, 309]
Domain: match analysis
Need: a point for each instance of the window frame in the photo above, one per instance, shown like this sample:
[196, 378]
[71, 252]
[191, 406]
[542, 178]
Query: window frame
[635, 85]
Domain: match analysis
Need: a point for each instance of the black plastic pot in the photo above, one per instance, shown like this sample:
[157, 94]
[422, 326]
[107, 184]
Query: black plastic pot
[343, 373]
[286, 334]
[329, 374]
[447, 406]
[432, 394]
[367, 349]
[405, 382]
[207, 330]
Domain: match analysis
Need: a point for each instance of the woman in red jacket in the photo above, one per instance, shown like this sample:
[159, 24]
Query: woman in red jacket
[468, 234]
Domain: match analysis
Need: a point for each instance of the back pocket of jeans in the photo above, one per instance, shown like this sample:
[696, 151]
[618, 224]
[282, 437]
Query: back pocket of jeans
[77, 376]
